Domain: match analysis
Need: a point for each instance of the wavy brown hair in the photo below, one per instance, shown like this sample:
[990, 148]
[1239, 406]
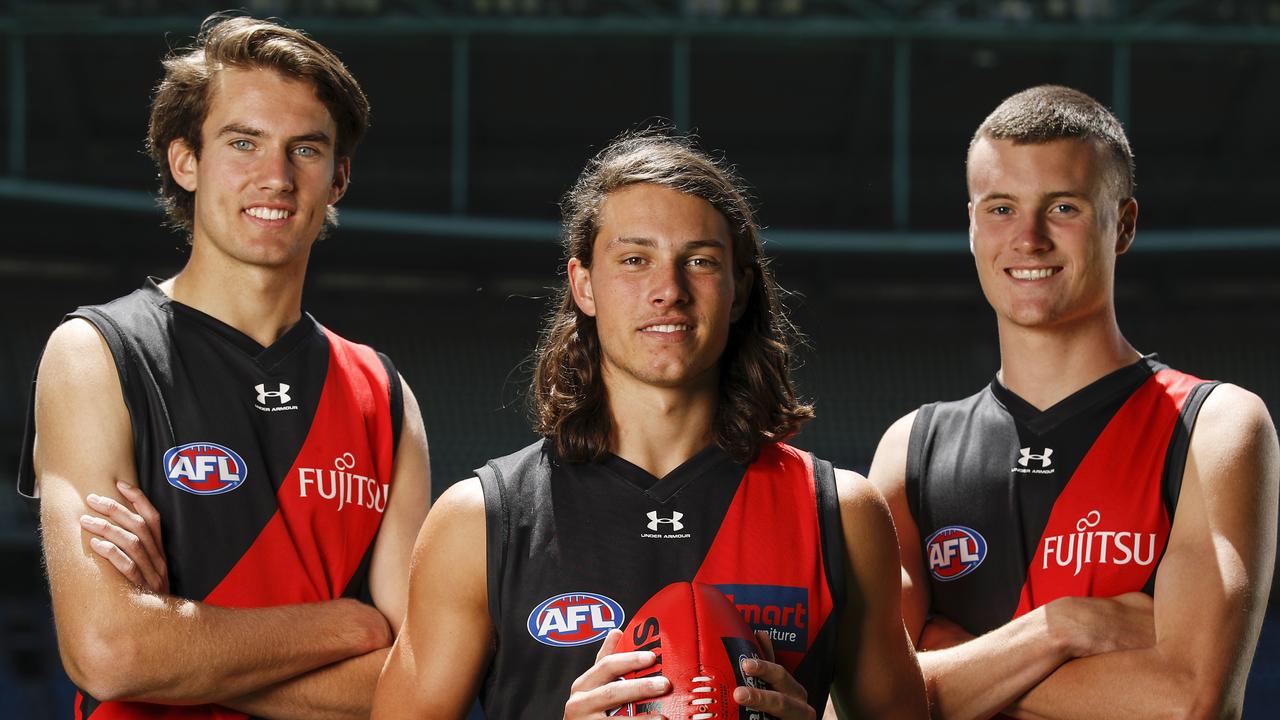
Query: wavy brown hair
[183, 97]
[758, 403]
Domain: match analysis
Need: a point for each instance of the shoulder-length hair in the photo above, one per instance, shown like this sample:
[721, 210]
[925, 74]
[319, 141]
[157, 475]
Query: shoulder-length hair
[758, 402]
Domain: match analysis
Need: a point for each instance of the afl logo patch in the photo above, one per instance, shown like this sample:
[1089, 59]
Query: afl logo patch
[954, 551]
[574, 619]
[204, 468]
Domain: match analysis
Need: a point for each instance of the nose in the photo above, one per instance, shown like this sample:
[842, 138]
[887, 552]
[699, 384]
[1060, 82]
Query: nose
[670, 286]
[1032, 235]
[275, 171]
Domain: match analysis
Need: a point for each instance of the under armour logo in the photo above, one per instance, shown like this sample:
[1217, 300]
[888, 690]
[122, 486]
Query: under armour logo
[1028, 456]
[281, 395]
[673, 521]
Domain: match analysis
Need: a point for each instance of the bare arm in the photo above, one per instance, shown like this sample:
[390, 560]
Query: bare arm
[118, 641]
[978, 678]
[1211, 587]
[437, 662]
[876, 675]
[345, 689]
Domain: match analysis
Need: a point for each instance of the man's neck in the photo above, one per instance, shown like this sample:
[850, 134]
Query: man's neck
[1044, 366]
[261, 302]
[658, 429]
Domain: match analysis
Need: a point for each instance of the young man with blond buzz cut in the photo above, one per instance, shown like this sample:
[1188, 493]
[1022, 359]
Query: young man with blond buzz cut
[663, 392]
[1093, 534]
[222, 480]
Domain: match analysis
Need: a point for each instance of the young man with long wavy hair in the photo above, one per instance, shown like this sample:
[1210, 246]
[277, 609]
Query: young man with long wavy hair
[662, 391]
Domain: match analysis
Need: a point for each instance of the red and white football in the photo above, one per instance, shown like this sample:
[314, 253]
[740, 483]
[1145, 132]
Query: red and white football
[700, 640]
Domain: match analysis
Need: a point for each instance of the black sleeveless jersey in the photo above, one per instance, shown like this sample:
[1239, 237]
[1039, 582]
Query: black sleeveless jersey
[270, 467]
[573, 549]
[1017, 507]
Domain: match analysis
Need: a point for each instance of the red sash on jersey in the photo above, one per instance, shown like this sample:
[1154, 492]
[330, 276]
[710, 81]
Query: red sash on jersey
[310, 548]
[770, 546]
[1108, 528]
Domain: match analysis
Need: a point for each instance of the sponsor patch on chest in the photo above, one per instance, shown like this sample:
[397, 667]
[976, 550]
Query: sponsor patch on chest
[1094, 543]
[572, 619]
[954, 551]
[204, 468]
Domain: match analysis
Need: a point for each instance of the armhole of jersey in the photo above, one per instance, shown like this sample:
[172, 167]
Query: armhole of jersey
[396, 392]
[495, 523]
[119, 354]
[831, 528]
[1175, 460]
[914, 481]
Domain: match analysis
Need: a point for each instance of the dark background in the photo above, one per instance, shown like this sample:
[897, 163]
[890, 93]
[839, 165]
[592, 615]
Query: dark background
[849, 119]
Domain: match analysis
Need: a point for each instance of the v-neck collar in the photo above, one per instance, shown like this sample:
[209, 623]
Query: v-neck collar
[264, 356]
[1104, 389]
[666, 487]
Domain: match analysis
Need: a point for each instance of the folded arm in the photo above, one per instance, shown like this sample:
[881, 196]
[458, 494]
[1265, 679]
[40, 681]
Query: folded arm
[117, 640]
[1211, 588]
[973, 678]
[345, 689]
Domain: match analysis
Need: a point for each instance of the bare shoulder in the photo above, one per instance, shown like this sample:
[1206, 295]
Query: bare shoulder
[76, 355]
[1232, 410]
[455, 523]
[863, 509]
[889, 467]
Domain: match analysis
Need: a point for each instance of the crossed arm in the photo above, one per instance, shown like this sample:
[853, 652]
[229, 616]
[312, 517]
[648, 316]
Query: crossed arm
[1185, 654]
[122, 641]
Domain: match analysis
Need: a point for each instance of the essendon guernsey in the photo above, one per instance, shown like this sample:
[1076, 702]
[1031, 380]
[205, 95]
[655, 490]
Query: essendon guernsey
[270, 467]
[576, 549]
[1017, 507]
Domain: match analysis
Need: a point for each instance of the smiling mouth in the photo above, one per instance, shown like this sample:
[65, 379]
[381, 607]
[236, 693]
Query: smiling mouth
[263, 213]
[1032, 273]
[666, 328]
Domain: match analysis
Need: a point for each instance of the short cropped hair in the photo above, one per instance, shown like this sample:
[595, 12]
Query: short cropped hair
[183, 97]
[757, 400]
[1052, 112]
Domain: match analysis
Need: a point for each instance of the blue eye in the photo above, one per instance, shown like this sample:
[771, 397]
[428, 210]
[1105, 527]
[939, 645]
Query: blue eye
[307, 151]
[242, 144]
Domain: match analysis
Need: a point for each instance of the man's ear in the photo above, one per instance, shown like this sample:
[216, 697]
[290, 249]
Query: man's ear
[341, 180]
[969, 208]
[580, 287]
[742, 286]
[183, 164]
[1126, 226]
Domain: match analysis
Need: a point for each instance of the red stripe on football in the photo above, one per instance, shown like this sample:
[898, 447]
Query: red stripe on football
[700, 640]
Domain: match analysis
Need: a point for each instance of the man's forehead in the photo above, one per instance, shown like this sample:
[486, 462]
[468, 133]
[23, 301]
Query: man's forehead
[257, 96]
[1006, 166]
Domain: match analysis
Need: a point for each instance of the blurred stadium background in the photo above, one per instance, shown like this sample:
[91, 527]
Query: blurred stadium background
[849, 118]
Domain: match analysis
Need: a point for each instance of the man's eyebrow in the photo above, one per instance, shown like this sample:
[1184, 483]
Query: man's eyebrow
[641, 241]
[319, 136]
[238, 129]
[650, 243]
[1051, 195]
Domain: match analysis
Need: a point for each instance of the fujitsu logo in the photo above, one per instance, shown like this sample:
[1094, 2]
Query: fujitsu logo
[673, 521]
[344, 487]
[1087, 546]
